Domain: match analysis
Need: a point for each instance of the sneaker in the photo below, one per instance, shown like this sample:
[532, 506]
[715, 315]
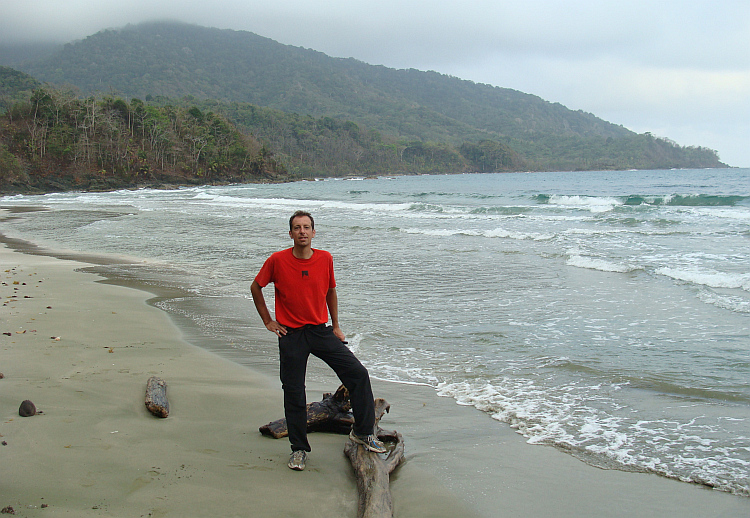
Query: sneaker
[297, 460]
[368, 441]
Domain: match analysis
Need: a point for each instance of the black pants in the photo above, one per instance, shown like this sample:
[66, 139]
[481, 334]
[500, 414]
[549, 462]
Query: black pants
[294, 349]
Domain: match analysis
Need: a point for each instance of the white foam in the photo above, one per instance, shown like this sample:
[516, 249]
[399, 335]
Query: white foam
[709, 278]
[511, 234]
[729, 302]
[528, 408]
[594, 263]
[495, 233]
[407, 376]
[732, 213]
[591, 203]
[288, 203]
[439, 232]
[580, 418]
[354, 342]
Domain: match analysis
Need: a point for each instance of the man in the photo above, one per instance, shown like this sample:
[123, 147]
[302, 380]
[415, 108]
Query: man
[305, 290]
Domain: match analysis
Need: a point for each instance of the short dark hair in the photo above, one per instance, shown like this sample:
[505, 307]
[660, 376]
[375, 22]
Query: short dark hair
[299, 214]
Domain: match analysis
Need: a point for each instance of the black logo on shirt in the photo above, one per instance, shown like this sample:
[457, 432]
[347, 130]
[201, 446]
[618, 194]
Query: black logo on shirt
[305, 274]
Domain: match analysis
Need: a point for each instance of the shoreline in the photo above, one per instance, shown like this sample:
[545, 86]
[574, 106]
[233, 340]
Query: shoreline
[96, 448]
[159, 185]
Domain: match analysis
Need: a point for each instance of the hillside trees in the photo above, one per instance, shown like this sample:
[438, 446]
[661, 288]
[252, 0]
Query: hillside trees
[15, 87]
[54, 139]
[488, 156]
[327, 146]
[110, 142]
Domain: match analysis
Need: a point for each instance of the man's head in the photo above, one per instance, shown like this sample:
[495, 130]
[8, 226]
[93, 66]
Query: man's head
[299, 214]
[301, 229]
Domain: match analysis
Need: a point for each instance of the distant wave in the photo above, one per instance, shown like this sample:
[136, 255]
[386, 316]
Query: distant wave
[590, 203]
[703, 200]
[495, 233]
[428, 194]
[288, 203]
[604, 203]
[510, 210]
[709, 278]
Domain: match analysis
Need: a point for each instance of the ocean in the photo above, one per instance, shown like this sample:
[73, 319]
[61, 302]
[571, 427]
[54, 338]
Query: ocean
[606, 314]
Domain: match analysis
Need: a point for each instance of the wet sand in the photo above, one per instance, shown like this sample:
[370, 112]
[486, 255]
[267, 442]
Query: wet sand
[96, 451]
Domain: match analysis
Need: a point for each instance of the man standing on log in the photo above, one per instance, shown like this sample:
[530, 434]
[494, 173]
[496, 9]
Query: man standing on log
[305, 291]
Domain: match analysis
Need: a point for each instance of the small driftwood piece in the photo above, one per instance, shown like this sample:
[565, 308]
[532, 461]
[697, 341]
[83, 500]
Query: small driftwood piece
[373, 471]
[156, 397]
[331, 414]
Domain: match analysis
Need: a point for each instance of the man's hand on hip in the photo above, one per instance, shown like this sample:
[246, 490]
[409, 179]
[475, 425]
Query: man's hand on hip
[276, 328]
[339, 334]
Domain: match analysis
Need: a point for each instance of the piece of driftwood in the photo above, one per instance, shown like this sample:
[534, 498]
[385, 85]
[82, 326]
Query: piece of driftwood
[331, 414]
[156, 397]
[373, 471]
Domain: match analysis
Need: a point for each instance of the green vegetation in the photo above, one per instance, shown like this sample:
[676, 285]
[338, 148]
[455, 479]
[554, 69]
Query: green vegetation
[326, 146]
[57, 141]
[222, 105]
[15, 86]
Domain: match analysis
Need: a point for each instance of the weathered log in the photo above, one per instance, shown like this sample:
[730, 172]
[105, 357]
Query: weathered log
[373, 471]
[331, 414]
[156, 397]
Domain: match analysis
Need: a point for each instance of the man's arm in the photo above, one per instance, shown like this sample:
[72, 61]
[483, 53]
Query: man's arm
[265, 315]
[332, 300]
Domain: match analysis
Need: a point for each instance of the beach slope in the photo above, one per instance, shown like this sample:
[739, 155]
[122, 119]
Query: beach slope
[82, 352]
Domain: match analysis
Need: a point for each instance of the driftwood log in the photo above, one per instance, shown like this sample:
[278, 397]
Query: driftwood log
[333, 414]
[373, 471]
[156, 397]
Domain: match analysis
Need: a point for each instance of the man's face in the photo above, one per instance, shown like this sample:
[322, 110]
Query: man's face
[302, 231]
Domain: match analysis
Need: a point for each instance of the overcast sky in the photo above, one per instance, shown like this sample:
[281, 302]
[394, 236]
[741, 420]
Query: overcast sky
[677, 68]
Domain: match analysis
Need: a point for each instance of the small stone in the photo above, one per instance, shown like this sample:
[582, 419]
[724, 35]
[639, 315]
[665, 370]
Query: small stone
[27, 409]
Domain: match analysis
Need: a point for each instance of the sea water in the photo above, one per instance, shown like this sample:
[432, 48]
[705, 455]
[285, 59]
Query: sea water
[603, 313]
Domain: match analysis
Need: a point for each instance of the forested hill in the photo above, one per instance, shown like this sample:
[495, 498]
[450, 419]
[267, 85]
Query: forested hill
[175, 60]
[330, 116]
[52, 140]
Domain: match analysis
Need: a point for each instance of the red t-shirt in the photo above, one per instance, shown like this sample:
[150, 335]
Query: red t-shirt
[300, 286]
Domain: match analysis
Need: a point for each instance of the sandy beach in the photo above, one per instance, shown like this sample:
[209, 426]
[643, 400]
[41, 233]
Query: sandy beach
[83, 350]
